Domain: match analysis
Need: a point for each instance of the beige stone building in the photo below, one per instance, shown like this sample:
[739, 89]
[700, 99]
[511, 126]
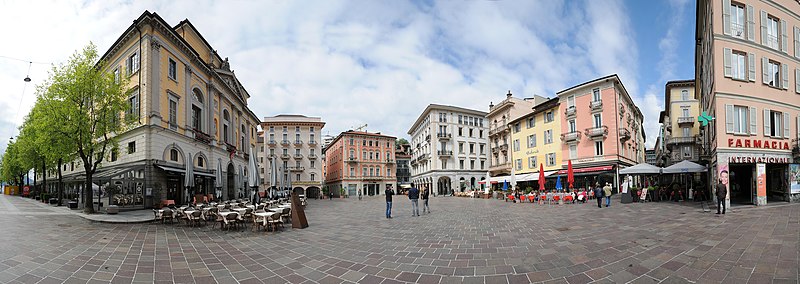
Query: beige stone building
[499, 137]
[295, 143]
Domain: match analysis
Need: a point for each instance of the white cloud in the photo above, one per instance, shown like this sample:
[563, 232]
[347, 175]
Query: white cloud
[375, 62]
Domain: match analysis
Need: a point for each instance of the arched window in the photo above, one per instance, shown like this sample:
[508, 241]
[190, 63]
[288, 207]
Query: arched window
[173, 155]
[226, 121]
[200, 162]
[197, 109]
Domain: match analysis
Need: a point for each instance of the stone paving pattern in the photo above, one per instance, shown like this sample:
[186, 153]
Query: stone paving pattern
[462, 241]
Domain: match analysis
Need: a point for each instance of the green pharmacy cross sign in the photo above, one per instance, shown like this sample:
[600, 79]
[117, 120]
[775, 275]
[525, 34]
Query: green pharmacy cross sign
[704, 118]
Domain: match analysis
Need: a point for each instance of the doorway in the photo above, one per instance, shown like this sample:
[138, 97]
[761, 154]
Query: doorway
[741, 184]
[231, 182]
[777, 187]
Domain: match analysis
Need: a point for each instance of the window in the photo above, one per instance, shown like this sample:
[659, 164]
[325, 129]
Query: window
[549, 116]
[173, 70]
[131, 147]
[472, 148]
[297, 129]
[352, 172]
[551, 159]
[738, 66]
[482, 146]
[532, 141]
[116, 75]
[297, 151]
[687, 151]
[596, 95]
[772, 73]
[776, 124]
[480, 133]
[548, 136]
[272, 152]
[741, 120]
[531, 121]
[532, 162]
[572, 127]
[133, 63]
[470, 132]
[173, 155]
[351, 141]
[480, 122]
[773, 33]
[598, 121]
[573, 151]
[285, 152]
[460, 119]
[460, 131]
[687, 132]
[685, 94]
[133, 105]
[285, 129]
[114, 154]
[285, 138]
[737, 20]
[444, 164]
[516, 145]
[173, 114]
[685, 112]
[352, 154]
[226, 121]
[313, 164]
[460, 147]
[297, 164]
[598, 148]
[571, 102]
[483, 164]
[461, 164]
[200, 162]
[272, 137]
[196, 117]
[297, 138]
[516, 127]
[297, 177]
[313, 177]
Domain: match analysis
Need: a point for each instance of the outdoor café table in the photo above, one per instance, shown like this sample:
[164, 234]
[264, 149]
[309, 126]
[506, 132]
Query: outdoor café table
[266, 216]
[240, 210]
[251, 206]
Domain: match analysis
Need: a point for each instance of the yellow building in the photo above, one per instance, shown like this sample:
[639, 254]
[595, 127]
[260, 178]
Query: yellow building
[682, 131]
[534, 141]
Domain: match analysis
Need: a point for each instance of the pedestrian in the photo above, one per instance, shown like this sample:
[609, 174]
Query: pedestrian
[359, 195]
[413, 195]
[388, 194]
[607, 194]
[425, 196]
[598, 194]
[722, 193]
[330, 194]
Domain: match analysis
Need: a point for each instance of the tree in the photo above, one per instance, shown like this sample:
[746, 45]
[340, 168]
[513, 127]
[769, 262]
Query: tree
[401, 141]
[84, 103]
[12, 171]
[48, 139]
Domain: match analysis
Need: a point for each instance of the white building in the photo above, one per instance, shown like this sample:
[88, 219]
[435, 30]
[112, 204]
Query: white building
[449, 149]
[294, 141]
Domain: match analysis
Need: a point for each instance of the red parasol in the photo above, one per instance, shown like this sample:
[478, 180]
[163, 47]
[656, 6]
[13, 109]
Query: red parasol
[541, 177]
[570, 174]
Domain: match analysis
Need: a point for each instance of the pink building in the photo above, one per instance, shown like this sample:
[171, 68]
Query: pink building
[602, 130]
[360, 161]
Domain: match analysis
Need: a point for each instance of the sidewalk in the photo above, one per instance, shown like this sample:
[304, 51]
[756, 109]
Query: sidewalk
[11, 205]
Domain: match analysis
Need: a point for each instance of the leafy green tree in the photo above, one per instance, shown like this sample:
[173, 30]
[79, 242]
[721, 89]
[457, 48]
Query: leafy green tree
[83, 102]
[12, 170]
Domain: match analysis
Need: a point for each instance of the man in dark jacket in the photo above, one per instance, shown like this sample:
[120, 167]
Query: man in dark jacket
[599, 194]
[722, 193]
[425, 195]
[413, 195]
[389, 194]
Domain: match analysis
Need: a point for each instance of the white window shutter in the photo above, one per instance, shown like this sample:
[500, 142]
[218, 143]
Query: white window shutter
[751, 23]
[726, 17]
[784, 37]
[763, 27]
[726, 61]
[785, 75]
[797, 42]
[728, 118]
[786, 123]
[767, 126]
[752, 116]
[797, 80]
[764, 71]
[751, 68]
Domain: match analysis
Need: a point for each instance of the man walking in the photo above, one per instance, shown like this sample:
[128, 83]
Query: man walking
[607, 194]
[388, 194]
[413, 195]
[598, 194]
[722, 193]
[425, 195]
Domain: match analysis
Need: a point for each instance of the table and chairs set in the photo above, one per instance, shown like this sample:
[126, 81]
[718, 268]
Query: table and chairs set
[233, 214]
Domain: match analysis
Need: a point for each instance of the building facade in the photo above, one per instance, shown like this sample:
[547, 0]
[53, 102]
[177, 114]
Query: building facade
[403, 155]
[747, 64]
[190, 110]
[295, 143]
[602, 130]
[360, 161]
[650, 156]
[449, 149]
[682, 131]
[497, 119]
[535, 141]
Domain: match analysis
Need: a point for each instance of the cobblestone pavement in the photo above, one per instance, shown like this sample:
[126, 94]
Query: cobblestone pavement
[462, 241]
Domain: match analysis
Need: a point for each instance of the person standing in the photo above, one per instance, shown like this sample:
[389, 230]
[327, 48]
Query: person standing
[598, 194]
[330, 194]
[607, 194]
[413, 195]
[722, 193]
[425, 196]
[388, 194]
[359, 195]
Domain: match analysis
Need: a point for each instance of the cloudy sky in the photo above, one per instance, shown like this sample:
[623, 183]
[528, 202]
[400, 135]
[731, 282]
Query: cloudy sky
[377, 62]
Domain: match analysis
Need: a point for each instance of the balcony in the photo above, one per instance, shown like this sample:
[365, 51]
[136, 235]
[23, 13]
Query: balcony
[573, 136]
[285, 142]
[297, 169]
[570, 111]
[272, 143]
[498, 130]
[230, 148]
[503, 147]
[597, 132]
[352, 160]
[444, 136]
[200, 136]
[423, 157]
[285, 156]
[390, 161]
[428, 138]
[298, 156]
[312, 156]
[683, 140]
[596, 105]
[444, 153]
[298, 142]
[503, 166]
[686, 120]
[312, 142]
[624, 134]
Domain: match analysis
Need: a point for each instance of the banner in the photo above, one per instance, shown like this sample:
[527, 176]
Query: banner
[761, 178]
[722, 177]
[794, 178]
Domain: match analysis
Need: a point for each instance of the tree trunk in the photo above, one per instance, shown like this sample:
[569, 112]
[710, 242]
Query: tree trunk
[44, 180]
[60, 184]
[88, 203]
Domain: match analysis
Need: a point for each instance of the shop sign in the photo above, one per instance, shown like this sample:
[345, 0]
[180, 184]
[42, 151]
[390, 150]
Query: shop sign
[759, 144]
[531, 152]
[754, 160]
[761, 179]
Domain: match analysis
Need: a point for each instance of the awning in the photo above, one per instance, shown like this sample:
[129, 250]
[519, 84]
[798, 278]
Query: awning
[587, 170]
[205, 174]
[171, 169]
[533, 176]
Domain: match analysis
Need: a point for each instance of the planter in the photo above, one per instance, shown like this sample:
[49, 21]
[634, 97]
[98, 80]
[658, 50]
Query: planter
[112, 209]
[53, 200]
[73, 204]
